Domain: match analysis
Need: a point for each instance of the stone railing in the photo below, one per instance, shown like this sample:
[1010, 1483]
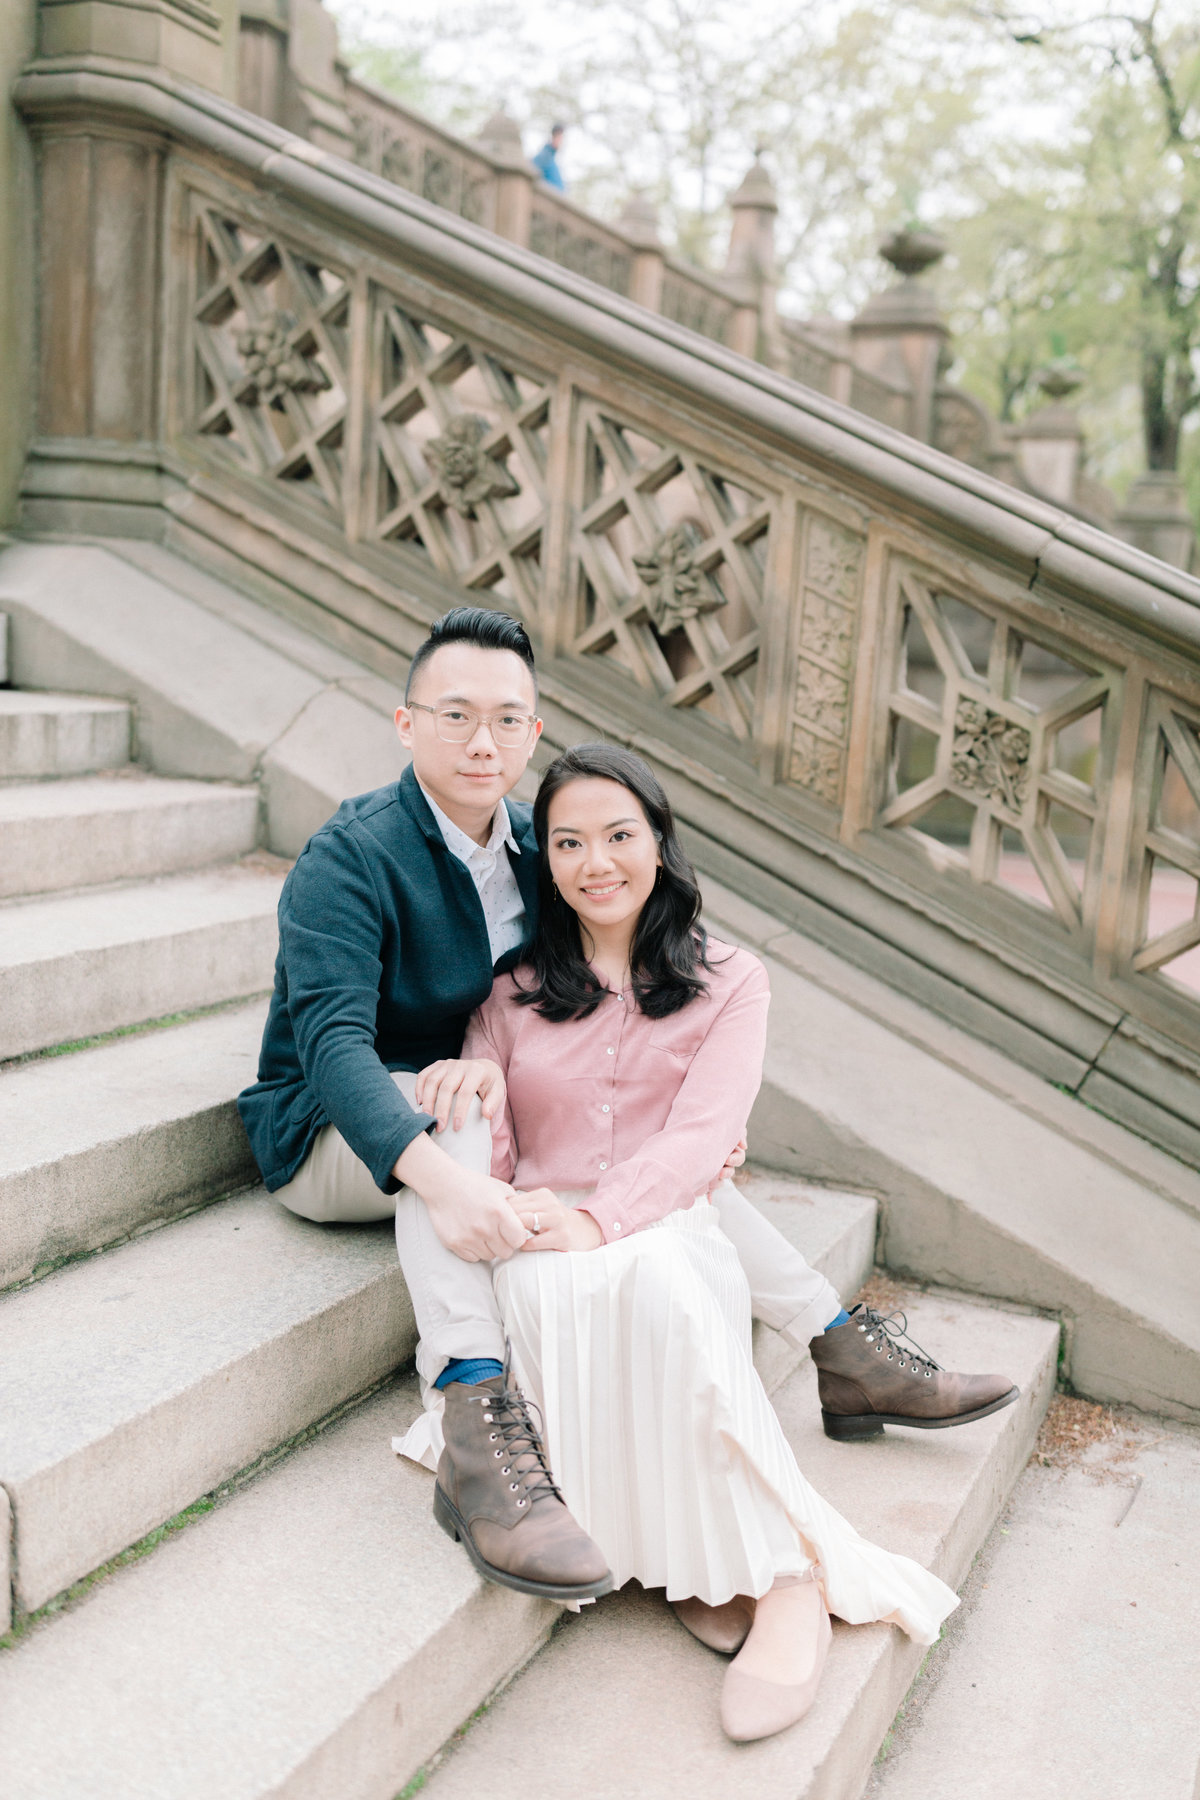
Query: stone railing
[404, 147]
[949, 730]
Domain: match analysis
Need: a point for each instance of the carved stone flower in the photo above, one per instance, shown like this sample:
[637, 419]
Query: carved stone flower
[273, 365]
[677, 589]
[990, 754]
[466, 472]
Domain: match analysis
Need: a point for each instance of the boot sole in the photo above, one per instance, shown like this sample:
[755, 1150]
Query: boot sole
[846, 1427]
[455, 1526]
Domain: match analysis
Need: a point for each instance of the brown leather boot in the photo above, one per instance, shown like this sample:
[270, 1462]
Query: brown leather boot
[495, 1495]
[871, 1374]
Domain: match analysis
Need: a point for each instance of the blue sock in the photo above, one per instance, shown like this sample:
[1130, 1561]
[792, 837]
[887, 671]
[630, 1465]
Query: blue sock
[842, 1318]
[471, 1369]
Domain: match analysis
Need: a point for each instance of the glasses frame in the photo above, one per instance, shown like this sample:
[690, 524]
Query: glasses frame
[488, 719]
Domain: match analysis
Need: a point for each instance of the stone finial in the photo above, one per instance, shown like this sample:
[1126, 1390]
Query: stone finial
[751, 251]
[639, 222]
[1060, 378]
[757, 188]
[500, 137]
[912, 249]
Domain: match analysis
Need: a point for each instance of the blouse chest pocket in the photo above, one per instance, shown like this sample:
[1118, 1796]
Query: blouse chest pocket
[680, 1035]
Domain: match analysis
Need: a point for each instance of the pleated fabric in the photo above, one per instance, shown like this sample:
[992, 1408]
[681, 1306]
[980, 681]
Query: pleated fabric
[662, 1437]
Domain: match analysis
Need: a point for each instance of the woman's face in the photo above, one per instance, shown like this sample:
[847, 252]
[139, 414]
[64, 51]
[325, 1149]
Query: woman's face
[603, 854]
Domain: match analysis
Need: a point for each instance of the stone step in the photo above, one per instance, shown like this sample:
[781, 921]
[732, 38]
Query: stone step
[96, 829]
[61, 734]
[317, 1635]
[1078, 1637]
[650, 1725]
[76, 965]
[314, 1638]
[96, 1145]
[136, 1381]
[986, 1183]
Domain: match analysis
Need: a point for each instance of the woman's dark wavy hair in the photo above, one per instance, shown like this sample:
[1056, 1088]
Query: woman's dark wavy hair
[669, 943]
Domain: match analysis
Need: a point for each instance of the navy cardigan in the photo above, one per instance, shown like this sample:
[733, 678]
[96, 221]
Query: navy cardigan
[383, 956]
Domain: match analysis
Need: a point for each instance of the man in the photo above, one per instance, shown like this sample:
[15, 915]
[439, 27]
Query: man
[392, 924]
[546, 160]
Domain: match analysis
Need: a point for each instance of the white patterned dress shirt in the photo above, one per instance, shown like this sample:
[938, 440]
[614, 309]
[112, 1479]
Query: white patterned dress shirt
[492, 873]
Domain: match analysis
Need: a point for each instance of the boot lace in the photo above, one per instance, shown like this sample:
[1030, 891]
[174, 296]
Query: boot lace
[511, 1416]
[891, 1329]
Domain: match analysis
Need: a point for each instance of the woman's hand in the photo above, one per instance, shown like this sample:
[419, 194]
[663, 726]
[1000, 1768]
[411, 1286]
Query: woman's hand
[555, 1226]
[453, 1083]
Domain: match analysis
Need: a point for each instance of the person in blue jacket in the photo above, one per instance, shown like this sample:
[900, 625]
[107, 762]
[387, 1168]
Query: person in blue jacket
[546, 160]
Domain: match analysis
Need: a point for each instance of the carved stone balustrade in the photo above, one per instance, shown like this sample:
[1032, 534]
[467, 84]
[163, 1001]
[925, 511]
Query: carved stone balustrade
[948, 729]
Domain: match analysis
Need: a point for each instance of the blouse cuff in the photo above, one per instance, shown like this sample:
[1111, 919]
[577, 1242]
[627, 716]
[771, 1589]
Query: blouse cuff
[611, 1219]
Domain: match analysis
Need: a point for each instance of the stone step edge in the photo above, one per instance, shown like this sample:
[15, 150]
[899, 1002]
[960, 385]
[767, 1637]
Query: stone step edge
[777, 1358]
[166, 1022]
[16, 1626]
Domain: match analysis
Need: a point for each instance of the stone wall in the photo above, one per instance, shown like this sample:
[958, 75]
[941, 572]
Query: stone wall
[18, 29]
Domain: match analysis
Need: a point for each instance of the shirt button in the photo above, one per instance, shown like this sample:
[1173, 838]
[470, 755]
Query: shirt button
[611, 1051]
[616, 1224]
[606, 1109]
[604, 1165]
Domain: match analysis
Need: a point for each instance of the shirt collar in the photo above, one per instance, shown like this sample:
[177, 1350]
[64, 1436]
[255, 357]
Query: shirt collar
[461, 843]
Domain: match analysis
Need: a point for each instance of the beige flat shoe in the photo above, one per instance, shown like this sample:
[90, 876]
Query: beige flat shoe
[724, 1628]
[752, 1707]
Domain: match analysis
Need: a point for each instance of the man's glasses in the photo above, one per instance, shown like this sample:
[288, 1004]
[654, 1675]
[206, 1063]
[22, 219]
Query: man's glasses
[456, 725]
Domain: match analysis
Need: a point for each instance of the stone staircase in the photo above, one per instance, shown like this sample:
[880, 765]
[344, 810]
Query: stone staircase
[201, 1390]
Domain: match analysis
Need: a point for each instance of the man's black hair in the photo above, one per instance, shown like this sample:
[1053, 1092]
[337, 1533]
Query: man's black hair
[474, 625]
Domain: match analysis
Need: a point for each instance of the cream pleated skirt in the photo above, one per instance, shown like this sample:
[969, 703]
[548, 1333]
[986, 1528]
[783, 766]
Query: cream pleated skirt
[661, 1435]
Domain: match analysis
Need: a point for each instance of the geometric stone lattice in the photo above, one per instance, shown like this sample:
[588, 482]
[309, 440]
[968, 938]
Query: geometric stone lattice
[828, 630]
[270, 342]
[996, 752]
[1169, 922]
[667, 571]
[459, 454]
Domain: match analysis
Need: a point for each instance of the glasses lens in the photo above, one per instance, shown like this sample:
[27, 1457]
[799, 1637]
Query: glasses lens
[510, 729]
[455, 726]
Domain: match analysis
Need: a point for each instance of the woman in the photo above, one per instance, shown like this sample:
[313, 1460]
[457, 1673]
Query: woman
[632, 1049]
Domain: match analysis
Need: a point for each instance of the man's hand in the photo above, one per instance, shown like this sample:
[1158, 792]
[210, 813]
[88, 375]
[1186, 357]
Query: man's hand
[472, 1214]
[556, 1227]
[733, 1161]
[453, 1083]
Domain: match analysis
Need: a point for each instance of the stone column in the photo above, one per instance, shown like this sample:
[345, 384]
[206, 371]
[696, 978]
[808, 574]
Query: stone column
[289, 72]
[750, 266]
[1156, 518]
[900, 334]
[18, 38]
[515, 175]
[639, 223]
[1049, 443]
[182, 37]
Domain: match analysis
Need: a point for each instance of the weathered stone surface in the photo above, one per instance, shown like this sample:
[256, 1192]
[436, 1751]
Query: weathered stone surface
[650, 1724]
[317, 1636]
[60, 734]
[75, 965]
[81, 833]
[1078, 1639]
[96, 1145]
[138, 1380]
[980, 1195]
[337, 747]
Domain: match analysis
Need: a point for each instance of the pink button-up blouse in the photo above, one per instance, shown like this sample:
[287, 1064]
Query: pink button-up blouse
[642, 1111]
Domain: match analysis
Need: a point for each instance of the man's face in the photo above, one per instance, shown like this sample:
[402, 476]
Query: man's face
[468, 780]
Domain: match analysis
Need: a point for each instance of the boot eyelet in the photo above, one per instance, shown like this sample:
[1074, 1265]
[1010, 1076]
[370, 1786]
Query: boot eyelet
[514, 1486]
[497, 1454]
[492, 1437]
[506, 1471]
[891, 1358]
[522, 1503]
[487, 1418]
[928, 1374]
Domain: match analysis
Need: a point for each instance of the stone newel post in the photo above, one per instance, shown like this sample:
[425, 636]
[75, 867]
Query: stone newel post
[501, 138]
[639, 223]
[750, 262]
[900, 333]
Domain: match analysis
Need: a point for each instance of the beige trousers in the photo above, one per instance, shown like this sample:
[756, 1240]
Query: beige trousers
[455, 1307]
